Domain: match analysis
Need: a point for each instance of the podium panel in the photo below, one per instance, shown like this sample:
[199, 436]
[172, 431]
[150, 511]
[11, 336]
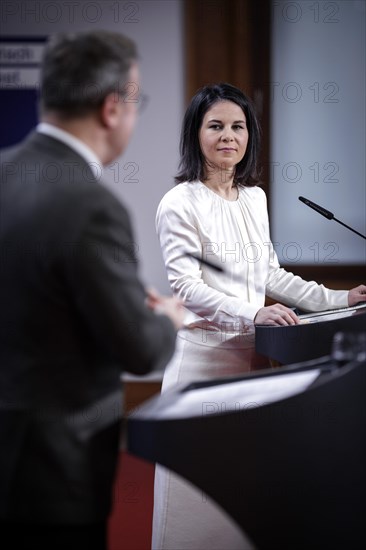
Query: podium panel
[311, 339]
[282, 451]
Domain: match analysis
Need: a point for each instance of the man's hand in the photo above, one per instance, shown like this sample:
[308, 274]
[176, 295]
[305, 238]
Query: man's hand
[166, 305]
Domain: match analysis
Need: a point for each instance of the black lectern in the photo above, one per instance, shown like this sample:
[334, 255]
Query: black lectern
[282, 451]
[310, 339]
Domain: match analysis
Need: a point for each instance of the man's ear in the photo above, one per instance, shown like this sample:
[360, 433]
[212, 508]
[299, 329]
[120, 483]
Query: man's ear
[110, 110]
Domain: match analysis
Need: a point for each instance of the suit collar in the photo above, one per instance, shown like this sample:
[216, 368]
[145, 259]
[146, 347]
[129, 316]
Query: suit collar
[75, 144]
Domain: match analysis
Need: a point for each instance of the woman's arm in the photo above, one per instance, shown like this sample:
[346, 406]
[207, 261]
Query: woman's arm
[178, 233]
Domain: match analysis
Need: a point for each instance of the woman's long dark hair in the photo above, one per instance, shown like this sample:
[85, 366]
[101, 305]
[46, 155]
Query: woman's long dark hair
[192, 163]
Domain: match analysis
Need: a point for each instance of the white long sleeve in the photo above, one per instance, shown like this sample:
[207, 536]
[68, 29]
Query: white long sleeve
[234, 234]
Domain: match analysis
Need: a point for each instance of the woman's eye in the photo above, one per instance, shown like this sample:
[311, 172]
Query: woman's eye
[215, 127]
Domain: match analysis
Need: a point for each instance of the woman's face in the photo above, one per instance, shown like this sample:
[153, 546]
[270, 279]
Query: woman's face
[223, 135]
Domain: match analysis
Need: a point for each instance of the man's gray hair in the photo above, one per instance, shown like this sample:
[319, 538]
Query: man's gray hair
[80, 70]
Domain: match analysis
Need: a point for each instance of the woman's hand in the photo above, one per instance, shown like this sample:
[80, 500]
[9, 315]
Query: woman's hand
[357, 295]
[277, 314]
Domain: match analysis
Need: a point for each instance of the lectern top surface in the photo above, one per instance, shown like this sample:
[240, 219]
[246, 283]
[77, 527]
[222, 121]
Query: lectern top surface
[226, 397]
[331, 315]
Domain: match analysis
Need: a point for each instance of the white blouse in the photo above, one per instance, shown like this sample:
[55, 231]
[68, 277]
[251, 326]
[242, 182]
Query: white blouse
[234, 234]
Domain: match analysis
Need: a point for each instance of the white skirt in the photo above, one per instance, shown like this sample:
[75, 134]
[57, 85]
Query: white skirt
[184, 517]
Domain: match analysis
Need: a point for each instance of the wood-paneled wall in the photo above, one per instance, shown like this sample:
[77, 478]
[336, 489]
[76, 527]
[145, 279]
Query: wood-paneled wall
[229, 41]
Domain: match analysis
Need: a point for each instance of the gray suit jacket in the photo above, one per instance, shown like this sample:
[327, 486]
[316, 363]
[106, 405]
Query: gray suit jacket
[73, 317]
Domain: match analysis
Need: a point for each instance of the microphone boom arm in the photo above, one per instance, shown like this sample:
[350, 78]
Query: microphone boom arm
[350, 228]
[327, 214]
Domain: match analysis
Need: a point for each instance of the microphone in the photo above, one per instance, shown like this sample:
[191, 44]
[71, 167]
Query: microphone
[320, 209]
[327, 214]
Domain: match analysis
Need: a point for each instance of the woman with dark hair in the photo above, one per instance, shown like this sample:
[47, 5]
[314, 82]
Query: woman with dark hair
[218, 213]
[192, 159]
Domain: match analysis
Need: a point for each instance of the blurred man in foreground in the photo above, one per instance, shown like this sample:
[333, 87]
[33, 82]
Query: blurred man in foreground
[74, 312]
